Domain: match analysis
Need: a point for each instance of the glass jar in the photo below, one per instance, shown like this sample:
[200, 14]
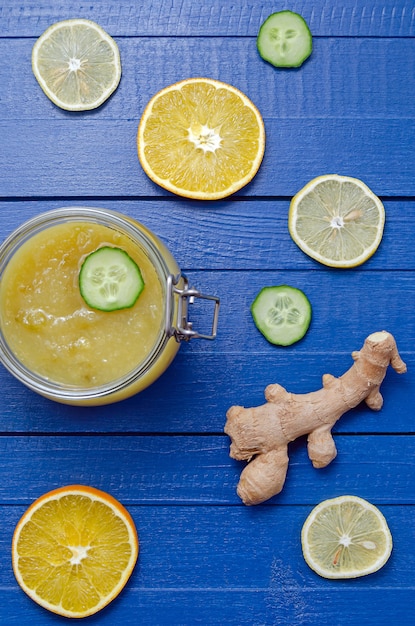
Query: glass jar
[47, 328]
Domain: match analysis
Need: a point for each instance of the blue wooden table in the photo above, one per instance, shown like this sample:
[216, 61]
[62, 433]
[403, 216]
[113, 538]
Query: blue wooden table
[350, 109]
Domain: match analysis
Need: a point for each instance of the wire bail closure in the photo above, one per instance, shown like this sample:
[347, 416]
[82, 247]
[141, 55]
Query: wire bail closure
[183, 331]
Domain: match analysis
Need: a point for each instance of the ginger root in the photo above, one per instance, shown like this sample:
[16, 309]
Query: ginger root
[262, 433]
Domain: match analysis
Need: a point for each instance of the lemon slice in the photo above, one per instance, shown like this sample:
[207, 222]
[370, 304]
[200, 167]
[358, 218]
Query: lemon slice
[77, 64]
[74, 550]
[337, 220]
[201, 138]
[346, 537]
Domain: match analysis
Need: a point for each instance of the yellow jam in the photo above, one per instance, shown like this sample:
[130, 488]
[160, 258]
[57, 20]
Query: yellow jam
[49, 327]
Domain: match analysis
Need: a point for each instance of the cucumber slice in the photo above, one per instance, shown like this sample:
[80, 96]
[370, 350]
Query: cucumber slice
[282, 314]
[109, 279]
[284, 39]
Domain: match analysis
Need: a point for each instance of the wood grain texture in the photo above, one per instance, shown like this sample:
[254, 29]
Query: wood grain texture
[99, 159]
[371, 88]
[260, 577]
[162, 408]
[386, 18]
[254, 544]
[232, 235]
[359, 122]
[206, 558]
[280, 603]
[184, 469]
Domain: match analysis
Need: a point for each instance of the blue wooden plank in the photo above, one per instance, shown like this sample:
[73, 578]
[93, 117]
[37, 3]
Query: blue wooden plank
[369, 132]
[372, 88]
[260, 577]
[163, 407]
[256, 546]
[278, 606]
[232, 235]
[239, 18]
[176, 470]
[346, 309]
[98, 158]
[261, 558]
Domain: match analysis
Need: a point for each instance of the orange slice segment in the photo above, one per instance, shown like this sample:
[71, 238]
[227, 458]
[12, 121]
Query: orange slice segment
[201, 138]
[74, 550]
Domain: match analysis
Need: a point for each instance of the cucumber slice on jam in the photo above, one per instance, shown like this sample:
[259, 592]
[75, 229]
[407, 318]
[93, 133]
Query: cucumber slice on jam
[110, 280]
[282, 314]
[284, 39]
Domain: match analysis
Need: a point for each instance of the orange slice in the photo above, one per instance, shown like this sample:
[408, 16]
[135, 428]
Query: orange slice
[74, 550]
[201, 138]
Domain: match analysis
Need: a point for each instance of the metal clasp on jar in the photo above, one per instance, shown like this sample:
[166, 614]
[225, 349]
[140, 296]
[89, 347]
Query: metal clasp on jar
[183, 330]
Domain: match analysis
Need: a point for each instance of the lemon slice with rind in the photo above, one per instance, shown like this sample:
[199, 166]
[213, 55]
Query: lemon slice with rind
[346, 537]
[337, 220]
[77, 64]
[74, 550]
[201, 138]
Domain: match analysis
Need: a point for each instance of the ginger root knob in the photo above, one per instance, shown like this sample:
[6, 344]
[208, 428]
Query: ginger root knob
[260, 435]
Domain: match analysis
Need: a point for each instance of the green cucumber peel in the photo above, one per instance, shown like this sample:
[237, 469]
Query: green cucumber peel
[285, 40]
[110, 280]
[282, 314]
